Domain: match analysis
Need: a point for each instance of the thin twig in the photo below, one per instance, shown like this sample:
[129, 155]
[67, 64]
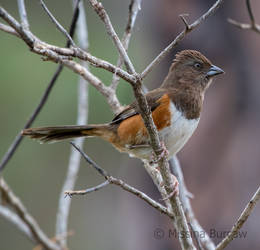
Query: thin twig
[9, 30]
[98, 7]
[23, 14]
[120, 183]
[184, 197]
[252, 26]
[241, 220]
[87, 191]
[250, 12]
[8, 155]
[100, 170]
[134, 7]
[178, 38]
[17, 221]
[21, 211]
[57, 24]
[82, 117]
[24, 34]
[182, 16]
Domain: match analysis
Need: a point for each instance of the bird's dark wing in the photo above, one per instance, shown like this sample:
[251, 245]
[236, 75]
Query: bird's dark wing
[133, 109]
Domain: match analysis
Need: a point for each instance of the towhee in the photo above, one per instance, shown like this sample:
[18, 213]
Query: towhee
[176, 108]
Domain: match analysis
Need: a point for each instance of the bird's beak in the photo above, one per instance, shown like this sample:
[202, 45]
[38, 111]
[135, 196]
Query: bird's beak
[214, 70]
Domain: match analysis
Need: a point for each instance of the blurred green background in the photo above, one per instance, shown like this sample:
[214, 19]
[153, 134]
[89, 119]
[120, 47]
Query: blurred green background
[220, 162]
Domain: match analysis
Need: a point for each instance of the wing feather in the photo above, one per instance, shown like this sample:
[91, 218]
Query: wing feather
[132, 109]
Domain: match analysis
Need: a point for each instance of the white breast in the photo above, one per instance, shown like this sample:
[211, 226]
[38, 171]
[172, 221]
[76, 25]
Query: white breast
[179, 132]
[174, 137]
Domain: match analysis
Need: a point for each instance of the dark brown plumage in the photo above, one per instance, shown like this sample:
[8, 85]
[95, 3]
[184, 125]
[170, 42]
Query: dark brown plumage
[176, 108]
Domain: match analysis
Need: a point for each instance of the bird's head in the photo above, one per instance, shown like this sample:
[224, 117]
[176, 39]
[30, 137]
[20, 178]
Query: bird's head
[191, 68]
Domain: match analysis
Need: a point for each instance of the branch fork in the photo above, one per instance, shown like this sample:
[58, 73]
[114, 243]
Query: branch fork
[187, 26]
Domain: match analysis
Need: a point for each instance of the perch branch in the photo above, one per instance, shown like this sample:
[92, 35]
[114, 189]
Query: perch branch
[180, 222]
[241, 220]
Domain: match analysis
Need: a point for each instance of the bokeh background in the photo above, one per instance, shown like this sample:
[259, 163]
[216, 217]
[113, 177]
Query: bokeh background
[220, 162]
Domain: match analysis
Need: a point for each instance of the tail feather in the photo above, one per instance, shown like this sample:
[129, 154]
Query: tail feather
[53, 134]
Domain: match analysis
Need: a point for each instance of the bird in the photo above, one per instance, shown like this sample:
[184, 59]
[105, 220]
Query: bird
[176, 108]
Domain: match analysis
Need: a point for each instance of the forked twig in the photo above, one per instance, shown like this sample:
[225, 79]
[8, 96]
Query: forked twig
[252, 26]
[112, 180]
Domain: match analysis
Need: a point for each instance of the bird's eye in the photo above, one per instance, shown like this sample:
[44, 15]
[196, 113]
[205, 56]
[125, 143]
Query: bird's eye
[198, 65]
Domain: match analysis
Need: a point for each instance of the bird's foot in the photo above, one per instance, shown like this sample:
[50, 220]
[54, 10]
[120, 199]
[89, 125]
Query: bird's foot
[174, 188]
[155, 159]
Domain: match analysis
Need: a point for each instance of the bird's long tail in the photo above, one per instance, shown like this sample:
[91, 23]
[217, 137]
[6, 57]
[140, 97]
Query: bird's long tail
[53, 134]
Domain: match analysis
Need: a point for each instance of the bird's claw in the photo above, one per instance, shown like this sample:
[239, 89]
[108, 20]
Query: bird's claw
[155, 159]
[174, 188]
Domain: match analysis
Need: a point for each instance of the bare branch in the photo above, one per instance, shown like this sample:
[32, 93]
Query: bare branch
[87, 191]
[82, 117]
[23, 14]
[17, 221]
[57, 24]
[9, 30]
[184, 197]
[248, 5]
[241, 220]
[252, 26]
[178, 38]
[83, 55]
[98, 7]
[21, 211]
[25, 34]
[134, 7]
[118, 182]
